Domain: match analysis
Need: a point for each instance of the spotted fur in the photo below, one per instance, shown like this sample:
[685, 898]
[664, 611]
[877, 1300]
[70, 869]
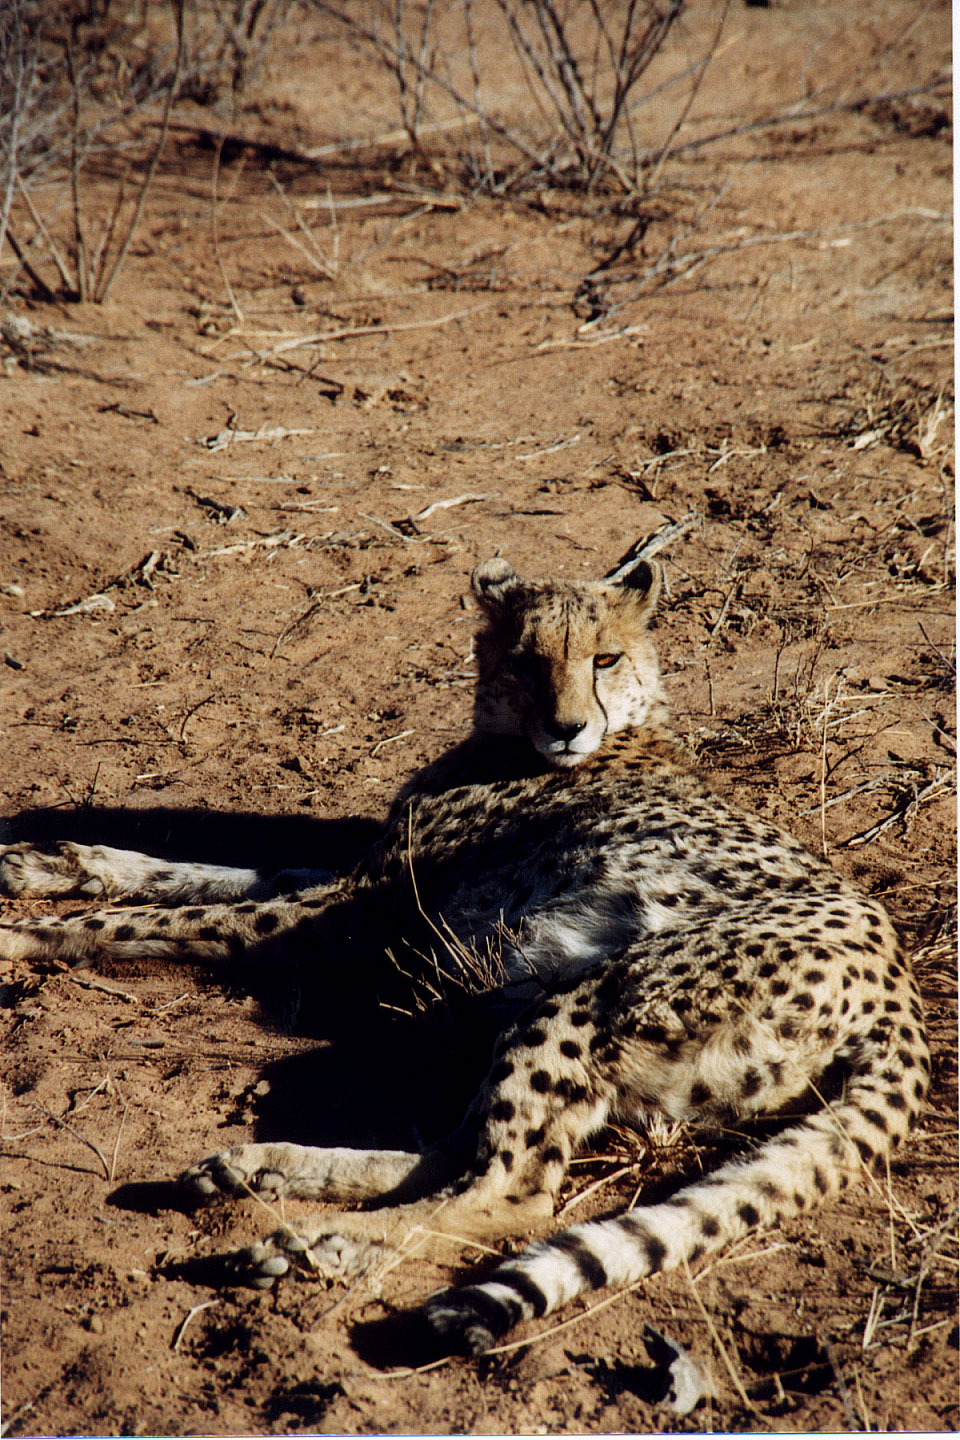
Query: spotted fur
[658, 951]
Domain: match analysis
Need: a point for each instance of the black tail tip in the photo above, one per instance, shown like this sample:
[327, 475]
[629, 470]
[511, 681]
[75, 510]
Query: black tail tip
[466, 1321]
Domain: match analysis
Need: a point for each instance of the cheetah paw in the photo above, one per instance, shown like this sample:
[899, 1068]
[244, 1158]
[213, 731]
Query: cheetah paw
[59, 869]
[328, 1257]
[240, 1171]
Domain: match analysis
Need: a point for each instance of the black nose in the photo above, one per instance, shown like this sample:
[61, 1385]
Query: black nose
[564, 730]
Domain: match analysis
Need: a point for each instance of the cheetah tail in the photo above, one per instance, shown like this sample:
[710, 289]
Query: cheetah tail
[794, 1171]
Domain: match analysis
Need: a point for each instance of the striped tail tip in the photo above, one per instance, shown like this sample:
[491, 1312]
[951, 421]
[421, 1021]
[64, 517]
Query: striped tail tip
[468, 1321]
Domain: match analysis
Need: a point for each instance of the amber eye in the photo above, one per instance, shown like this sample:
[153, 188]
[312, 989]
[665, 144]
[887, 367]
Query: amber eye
[604, 662]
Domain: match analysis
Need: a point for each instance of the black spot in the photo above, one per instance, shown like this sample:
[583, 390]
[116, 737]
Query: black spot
[570, 1092]
[748, 1214]
[819, 1180]
[579, 1017]
[552, 1155]
[895, 1100]
[209, 932]
[779, 987]
[500, 1071]
[892, 1007]
[583, 1257]
[871, 976]
[919, 1089]
[696, 1253]
[540, 1081]
[548, 1011]
[534, 1037]
[506, 1159]
[124, 932]
[502, 1110]
[709, 1225]
[776, 1071]
[534, 1137]
[813, 977]
[194, 913]
[867, 1155]
[570, 1048]
[768, 968]
[803, 1001]
[163, 921]
[867, 1007]
[742, 1044]
[905, 1058]
[653, 1034]
[700, 1094]
[265, 922]
[876, 1119]
[750, 1084]
[799, 1200]
[93, 924]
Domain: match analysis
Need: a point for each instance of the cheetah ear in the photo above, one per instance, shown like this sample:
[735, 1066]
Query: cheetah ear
[494, 583]
[643, 581]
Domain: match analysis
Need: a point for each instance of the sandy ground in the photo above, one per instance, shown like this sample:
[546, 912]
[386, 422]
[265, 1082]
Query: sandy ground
[283, 635]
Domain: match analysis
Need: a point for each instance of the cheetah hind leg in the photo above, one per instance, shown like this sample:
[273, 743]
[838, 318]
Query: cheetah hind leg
[67, 868]
[353, 1243]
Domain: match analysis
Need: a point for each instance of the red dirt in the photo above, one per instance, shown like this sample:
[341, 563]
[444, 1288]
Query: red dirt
[239, 692]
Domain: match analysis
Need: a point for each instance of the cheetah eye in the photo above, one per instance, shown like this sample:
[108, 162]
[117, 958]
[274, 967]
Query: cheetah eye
[605, 662]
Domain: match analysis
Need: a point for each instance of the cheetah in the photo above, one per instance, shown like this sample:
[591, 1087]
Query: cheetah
[658, 952]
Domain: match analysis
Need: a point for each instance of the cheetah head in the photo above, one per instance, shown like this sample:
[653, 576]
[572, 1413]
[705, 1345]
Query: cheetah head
[566, 664]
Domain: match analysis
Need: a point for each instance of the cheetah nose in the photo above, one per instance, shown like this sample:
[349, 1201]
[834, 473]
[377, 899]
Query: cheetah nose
[565, 730]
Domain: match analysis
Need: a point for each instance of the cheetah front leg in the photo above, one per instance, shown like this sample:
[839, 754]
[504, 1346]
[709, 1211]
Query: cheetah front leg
[67, 868]
[207, 934]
